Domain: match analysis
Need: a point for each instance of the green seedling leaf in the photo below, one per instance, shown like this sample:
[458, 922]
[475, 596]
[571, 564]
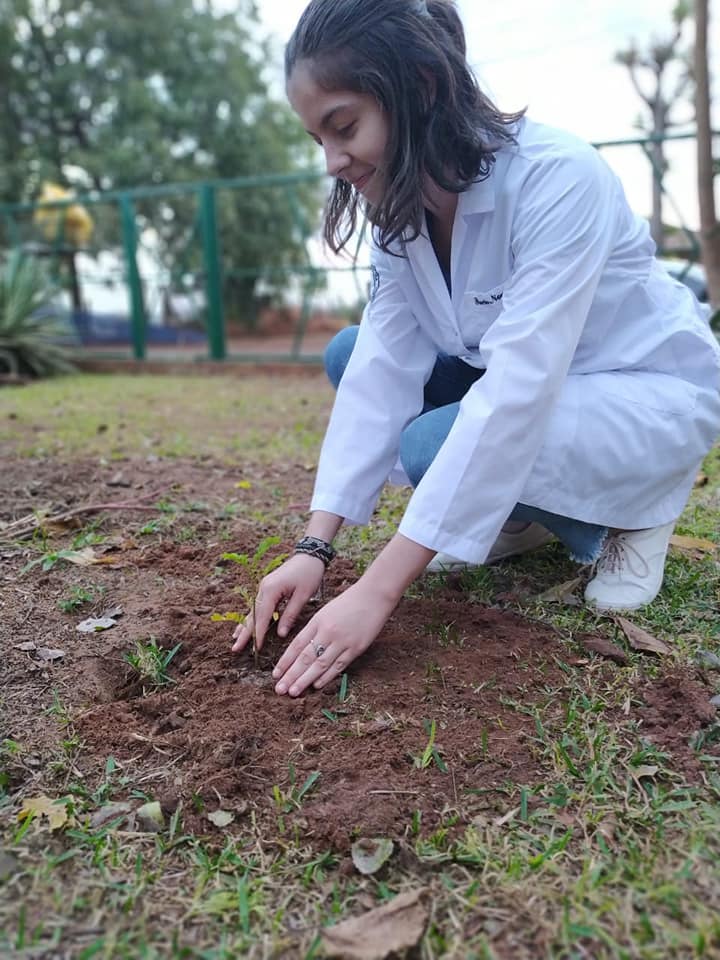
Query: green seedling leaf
[242, 558]
[243, 485]
[309, 784]
[221, 818]
[263, 548]
[343, 692]
[230, 616]
[369, 855]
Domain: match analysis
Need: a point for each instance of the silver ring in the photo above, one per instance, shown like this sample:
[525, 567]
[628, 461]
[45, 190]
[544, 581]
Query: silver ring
[319, 649]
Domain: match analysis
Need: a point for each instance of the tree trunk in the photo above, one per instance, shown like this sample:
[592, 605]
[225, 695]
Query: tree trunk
[709, 226]
[658, 172]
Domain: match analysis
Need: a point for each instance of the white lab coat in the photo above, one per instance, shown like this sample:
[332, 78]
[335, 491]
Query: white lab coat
[602, 387]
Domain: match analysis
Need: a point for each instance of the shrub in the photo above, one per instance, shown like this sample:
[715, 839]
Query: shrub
[30, 327]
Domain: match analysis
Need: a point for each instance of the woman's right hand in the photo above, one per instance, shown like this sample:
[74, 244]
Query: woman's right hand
[296, 581]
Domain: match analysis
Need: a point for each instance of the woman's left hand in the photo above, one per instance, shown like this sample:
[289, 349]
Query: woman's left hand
[336, 635]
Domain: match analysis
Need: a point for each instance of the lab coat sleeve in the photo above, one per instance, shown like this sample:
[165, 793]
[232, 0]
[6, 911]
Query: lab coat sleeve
[562, 233]
[380, 393]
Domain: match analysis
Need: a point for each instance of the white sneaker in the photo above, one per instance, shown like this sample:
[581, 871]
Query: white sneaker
[506, 545]
[629, 572]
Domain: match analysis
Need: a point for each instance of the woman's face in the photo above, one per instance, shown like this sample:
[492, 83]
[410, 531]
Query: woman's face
[352, 128]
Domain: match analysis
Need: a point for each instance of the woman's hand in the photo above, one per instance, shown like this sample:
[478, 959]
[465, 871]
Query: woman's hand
[297, 580]
[335, 636]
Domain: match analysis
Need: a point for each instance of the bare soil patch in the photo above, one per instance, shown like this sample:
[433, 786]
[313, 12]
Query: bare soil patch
[217, 737]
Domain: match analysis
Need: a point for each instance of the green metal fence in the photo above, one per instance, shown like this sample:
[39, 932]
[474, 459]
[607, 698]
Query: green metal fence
[125, 216]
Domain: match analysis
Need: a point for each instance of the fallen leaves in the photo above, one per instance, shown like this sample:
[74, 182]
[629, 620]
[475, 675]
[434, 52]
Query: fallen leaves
[693, 545]
[54, 810]
[563, 593]
[392, 928]
[369, 855]
[605, 648]
[47, 654]
[221, 818]
[640, 639]
[105, 621]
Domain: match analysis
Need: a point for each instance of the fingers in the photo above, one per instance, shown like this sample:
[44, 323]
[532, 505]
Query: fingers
[291, 612]
[307, 661]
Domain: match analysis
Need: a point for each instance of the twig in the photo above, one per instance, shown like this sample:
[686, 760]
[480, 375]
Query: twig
[23, 528]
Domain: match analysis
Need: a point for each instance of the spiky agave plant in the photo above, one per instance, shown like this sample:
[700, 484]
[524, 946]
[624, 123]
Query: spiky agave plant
[30, 330]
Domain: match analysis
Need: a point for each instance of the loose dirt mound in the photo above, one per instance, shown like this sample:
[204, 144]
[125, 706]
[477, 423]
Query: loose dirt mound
[441, 709]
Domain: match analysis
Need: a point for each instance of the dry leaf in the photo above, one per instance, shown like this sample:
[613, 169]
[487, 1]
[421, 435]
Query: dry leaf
[605, 648]
[86, 557]
[692, 543]
[640, 639]
[392, 928]
[43, 806]
[643, 771]
[369, 855]
[95, 624]
[511, 814]
[150, 817]
[701, 480]
[606, 828]
[563, 593]
[48, 654]
[221, 818]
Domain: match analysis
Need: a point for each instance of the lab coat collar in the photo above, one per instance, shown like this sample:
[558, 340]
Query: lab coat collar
[480, 197]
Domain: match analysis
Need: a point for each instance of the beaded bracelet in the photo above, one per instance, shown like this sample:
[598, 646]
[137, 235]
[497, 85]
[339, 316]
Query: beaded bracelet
[315, 547]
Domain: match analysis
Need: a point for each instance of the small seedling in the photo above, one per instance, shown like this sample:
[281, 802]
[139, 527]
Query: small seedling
[430, 754]
[257, 572]
[78, 597]
[152, 661]
[289, 800]
[48, 560]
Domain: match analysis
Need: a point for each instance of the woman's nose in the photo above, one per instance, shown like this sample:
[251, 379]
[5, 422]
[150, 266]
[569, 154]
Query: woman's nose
[335, 161]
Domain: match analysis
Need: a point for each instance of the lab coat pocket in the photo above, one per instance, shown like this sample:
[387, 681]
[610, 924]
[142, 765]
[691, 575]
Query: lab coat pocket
[480, 308]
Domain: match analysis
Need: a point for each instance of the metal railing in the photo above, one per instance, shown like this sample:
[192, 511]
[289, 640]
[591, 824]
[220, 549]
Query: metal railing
[17, 224]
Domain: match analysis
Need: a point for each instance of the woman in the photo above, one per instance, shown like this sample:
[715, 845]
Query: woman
[522, 353]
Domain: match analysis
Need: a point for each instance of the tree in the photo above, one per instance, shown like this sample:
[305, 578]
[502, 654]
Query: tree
[104, 95]
[655, 68]
[709, 226]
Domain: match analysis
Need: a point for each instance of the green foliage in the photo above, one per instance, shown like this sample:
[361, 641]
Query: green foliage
[101, 96]
[29, 328]
[151, 662]
[79, 596]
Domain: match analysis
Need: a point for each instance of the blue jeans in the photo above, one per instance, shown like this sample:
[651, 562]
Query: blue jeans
[420, 441]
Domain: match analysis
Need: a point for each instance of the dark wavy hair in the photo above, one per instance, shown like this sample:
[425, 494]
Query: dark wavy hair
[411, 56]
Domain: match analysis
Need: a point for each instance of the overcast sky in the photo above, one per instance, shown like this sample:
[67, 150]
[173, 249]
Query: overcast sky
[556, 58]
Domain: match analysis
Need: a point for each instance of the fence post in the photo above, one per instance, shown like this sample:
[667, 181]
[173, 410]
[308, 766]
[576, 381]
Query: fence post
[213, 276]
[137, 304]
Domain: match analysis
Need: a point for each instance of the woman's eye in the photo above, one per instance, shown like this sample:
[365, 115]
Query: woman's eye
[347, 131]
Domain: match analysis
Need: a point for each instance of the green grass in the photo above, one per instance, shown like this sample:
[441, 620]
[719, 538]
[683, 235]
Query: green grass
[174, 416]
[613, 856]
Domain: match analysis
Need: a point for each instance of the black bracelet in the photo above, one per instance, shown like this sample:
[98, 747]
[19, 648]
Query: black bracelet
[315, 547]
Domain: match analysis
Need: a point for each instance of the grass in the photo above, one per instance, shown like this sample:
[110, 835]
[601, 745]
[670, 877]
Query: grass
[612, 856]
[118, 416]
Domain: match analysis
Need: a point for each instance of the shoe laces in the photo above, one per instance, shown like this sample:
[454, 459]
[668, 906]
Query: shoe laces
[618, 553]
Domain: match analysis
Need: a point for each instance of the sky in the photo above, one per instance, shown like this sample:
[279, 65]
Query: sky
[555, 57]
